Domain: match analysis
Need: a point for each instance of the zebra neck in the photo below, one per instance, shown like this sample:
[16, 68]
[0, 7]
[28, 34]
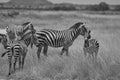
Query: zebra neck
[75, 33]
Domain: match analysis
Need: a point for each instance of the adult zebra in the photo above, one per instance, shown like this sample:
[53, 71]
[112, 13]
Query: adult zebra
[55, 38]
[17, 31]
[17, 50]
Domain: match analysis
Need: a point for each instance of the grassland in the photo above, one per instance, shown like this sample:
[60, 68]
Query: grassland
[105, 28]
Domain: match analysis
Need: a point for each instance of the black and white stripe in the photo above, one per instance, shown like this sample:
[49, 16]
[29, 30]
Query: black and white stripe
[55, 38]
[16, 52]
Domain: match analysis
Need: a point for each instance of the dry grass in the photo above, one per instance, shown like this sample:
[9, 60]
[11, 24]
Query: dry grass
[76, 66]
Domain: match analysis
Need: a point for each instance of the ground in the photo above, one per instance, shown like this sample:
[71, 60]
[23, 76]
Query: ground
[105, 28]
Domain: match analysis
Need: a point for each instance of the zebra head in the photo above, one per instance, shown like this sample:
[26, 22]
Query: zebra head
[32, 31]
[3, 40]
[84, 31]
[27, 28]
[79, 28]
[87, 35]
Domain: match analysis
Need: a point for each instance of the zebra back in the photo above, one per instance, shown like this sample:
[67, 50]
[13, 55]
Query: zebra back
[91, 42]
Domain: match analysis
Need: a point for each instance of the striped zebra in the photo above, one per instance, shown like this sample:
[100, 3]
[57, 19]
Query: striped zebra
[16, 32]
[91, 47]
[15, 52]
[55, 38]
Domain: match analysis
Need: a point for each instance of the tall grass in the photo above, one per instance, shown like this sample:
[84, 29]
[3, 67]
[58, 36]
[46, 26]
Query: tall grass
[71, 68]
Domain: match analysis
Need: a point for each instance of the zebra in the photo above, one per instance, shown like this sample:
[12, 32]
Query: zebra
[91, 46]
[18, 50]
[15, 52]
[16, 32]
[57, 38]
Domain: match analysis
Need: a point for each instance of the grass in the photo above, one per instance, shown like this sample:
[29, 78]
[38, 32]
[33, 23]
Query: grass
[105, 29]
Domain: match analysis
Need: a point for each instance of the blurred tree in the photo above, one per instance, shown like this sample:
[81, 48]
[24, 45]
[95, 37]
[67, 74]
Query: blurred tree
[103, 6]
[117, 8]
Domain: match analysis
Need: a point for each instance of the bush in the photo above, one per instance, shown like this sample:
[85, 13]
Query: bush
[100, 7]
[103, 6]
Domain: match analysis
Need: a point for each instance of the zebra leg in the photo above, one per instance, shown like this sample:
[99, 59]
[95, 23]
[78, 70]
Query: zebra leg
[96, 53]
[10, 64]
[67, 52]
[63, 50]
[19, 62]
[14, 65]
[45, 50]
[92, 55]
[38, 52]
[85, 53]
[23, 59]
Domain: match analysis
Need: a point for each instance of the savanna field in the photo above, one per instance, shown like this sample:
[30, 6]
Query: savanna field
[104, 28]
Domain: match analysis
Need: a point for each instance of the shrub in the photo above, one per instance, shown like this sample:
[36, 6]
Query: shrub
[100, 7]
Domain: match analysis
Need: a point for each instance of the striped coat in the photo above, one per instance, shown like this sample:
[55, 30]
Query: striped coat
[55, 38]
[91, 47]
[16, 52]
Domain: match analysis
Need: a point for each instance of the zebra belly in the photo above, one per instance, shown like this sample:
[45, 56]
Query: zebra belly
[56, 45]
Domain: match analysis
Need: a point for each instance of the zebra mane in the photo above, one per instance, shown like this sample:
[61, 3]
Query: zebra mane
[76, 25]
[26, 23]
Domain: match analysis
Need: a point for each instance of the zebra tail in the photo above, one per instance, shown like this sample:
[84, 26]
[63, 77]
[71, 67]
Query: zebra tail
[3, 54]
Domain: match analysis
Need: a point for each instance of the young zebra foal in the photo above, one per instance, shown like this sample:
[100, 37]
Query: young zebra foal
[91, 46]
